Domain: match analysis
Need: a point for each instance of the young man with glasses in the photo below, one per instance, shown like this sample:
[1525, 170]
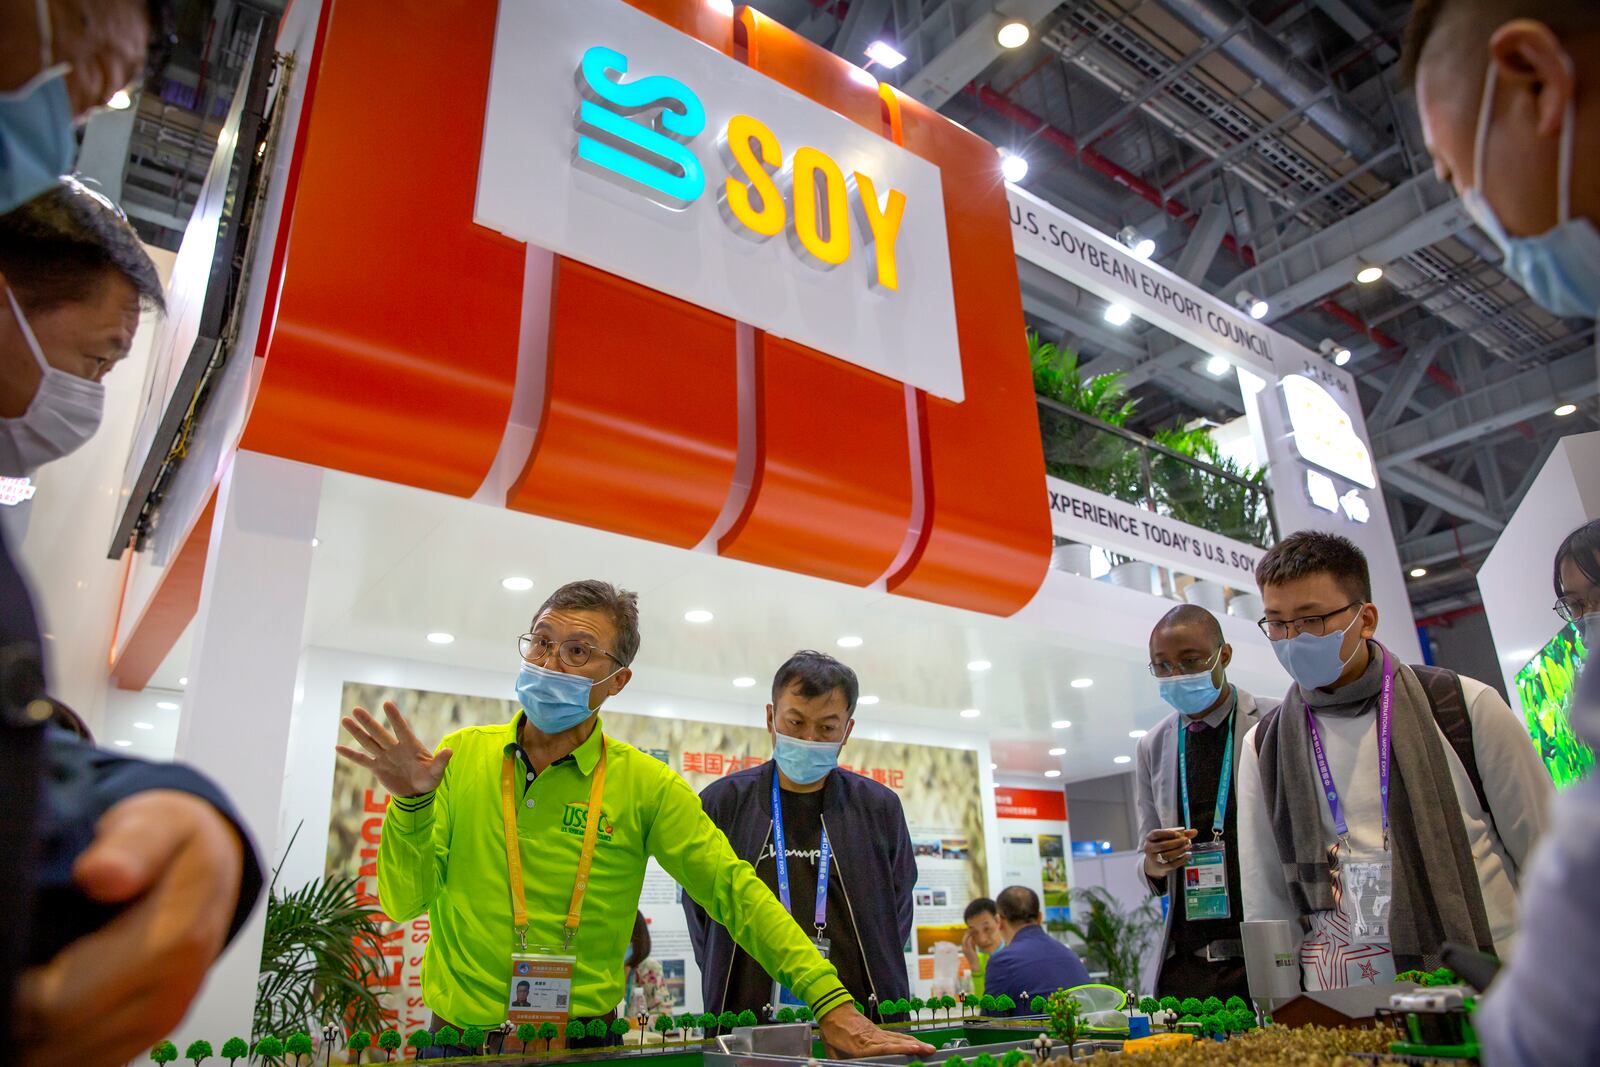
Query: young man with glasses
[1185, 784]
[526, 844]
[1388, 809]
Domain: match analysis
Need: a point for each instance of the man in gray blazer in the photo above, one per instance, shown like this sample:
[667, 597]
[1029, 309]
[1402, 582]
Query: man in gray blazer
[1186, 783]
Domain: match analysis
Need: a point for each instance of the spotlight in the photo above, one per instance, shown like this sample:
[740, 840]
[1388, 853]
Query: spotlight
[1335, 351]
[1012, 35]
[1251, 304]
[1141, 247]
[1565, 409]
[1217, 366]
[1013, 168]
[1118, 314]
[885, 55]
[1419, 572]
[1369, 273]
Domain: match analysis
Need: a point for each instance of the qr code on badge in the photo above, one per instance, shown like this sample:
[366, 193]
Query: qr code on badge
[561, 1000]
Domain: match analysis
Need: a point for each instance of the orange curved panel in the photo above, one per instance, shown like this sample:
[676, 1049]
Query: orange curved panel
[986, 540]
[395, 346]
[696, 18]
[640, 428]
[832, 489]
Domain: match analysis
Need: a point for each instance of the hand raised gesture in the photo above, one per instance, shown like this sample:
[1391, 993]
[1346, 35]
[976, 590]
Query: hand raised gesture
[405, 766]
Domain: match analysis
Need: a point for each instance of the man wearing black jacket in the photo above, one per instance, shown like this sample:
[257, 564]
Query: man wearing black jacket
[800, 818]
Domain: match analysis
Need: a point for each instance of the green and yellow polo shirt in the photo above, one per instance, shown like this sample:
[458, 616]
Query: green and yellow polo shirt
[443, 853]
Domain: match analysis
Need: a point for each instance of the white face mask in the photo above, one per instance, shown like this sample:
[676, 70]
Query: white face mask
[64, 413]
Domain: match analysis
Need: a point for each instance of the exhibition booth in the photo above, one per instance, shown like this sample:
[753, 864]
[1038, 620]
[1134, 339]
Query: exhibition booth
[780, 388]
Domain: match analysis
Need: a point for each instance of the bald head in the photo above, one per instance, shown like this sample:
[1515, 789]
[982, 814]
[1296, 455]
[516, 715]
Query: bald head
[1193, 615]
[1018, 907]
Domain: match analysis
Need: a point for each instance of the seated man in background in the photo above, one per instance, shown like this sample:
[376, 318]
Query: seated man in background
[981, 941]
[1034, 964]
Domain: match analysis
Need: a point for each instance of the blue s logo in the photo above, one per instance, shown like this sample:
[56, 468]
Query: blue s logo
[613, 144]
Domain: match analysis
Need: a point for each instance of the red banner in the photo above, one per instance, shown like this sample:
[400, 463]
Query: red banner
[1048, 804]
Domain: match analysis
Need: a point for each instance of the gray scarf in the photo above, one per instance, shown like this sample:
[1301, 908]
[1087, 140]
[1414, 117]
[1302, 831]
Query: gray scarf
[1437, 897]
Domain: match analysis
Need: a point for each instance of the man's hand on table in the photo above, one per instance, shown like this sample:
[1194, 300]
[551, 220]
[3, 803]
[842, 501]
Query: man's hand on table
[848, 1036]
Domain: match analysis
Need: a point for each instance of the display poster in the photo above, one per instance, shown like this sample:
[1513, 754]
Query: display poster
[1034, 838]
[938, 788]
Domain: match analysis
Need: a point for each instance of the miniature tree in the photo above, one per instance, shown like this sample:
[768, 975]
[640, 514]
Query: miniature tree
[985, 1060]
[419, 1040]
[1065, 1024]
[527, 1032]
[360, 1041]
[1171, 1004]
[165, 1052]
[390, 1042]
[1005, 1003]
[198, 1052]
[547, 1032]
[686, 1022]
[802, 1015]
[662, 1025]
[1211, 1006]
[727, 1021]
[620, 1027]
[575, 1031]
[235, 1047]
[299, 1046]
[955, 1061]
[916, 1004]
[707, 1022]
[987, 1005]
[473, 1037]
[748, 1018]
[1235, 1003]
[1038, 1005]
[1191, 1006]
[1149, 1005]
[597, 1029]
[948, 1003]
[785, 1015]
[1014, 1058]
[270, 1049]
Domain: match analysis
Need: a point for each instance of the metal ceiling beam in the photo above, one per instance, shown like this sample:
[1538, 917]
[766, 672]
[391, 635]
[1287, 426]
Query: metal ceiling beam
[947, 73]
[1417, 214]
[1205, 240]
[1489, 476]
[1547, 446]
[1442, 547]
[1525, 395]
[1159, 85]
[862, 23]
[1413, 365]
[1435, 487]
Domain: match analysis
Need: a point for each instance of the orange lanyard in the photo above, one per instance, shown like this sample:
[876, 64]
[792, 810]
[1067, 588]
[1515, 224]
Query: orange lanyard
[580, 886]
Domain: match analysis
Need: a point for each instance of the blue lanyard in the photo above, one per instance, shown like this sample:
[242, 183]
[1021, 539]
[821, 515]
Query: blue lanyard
[1224, 785]
[783, 862]
[1385, 732]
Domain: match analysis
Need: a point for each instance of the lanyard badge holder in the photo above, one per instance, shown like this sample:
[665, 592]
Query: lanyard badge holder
[1366, 886]
[541, 975]
[781, 996]
[1205, 877]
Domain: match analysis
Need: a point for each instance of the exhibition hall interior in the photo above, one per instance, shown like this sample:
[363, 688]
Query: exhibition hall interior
[1028, 531]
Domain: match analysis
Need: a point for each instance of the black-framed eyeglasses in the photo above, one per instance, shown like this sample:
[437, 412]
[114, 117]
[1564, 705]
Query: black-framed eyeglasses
[1315, 625]
[1163, 669]
[1570, 608]
[537, 648]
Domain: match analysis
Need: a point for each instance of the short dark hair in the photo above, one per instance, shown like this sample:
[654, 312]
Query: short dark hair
[1308, 552]
[1582, 547]
[524, 984]
[815, 673]
[1564, 17]
[1018, 904]
[58, 247]
[981, 906]
[1193, 615]
[591, 594]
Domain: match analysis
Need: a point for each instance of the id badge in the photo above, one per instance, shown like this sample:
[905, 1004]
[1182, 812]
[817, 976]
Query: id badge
[541, 989]
[781, 997]
[1205, 883]
[1368, 898]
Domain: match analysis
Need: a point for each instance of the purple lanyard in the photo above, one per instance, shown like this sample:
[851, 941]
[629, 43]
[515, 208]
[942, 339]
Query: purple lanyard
[1385, 726]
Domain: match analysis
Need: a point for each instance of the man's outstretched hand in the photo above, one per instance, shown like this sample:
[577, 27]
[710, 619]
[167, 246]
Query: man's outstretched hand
[404, 765]
[849, 1036]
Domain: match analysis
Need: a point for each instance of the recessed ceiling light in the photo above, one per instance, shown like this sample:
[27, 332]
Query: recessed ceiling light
[1013, 167]
[971, 713]
[1566, 409]
[1123, 759]
[1082, 683]
[1012, 35]
[1369, 274]
[868, 701]
[183, 681]
[1061, 724]
[885, 54]
[744, 683]
[1052, 774]
[979, 665]
[994, 766]
[1137, 733]
[1341, 356]
[144, 726]
[316, 542]
[698, 615]
[121, 101]
[1217, 366]
[849, 642]
[1419, 572]
[441, 638]
[122, 744]
[516, 585]
[1117, 314]
[1058, 752]
[166, 705]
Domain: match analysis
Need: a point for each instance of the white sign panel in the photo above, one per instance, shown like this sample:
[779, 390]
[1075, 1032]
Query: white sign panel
[617, 141]
[1093, 518]
[1324, 434]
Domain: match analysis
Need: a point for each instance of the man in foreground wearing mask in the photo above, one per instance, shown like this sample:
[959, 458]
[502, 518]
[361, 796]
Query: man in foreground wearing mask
[127, 877]
[1185, 781]
[526, 844]
[831, 844]
[1386, 808]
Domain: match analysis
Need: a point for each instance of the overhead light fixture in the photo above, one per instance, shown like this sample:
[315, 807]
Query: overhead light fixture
[120, 100]
[1137, 733]
[1061, 724]
[1013, 35]
[1369, 274]
[1251, 304]
[1217, 366]
[167, 705]
[743, 683]
[144, 726]
[849, 641]
[698, 615]
[438, 637]
[516, 585]
[1142, 247]
[994, 766]
[979, 665]
[1052, 774]
[971, 713]
[183, 681]
[316, 542]
[1339, 354]
[885, 54]
[1123, 759]
[1082, 683]
[121, 743]
[1565, 409]
[869, 701]
[1058, 752]
[1118, 314]
[1013, 168]
[1419, 572]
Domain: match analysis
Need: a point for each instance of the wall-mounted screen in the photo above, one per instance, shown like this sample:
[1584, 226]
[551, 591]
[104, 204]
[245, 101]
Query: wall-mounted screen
[1546, 686]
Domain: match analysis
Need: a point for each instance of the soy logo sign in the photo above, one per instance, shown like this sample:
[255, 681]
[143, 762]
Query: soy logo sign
[575, 819]
[613, 139]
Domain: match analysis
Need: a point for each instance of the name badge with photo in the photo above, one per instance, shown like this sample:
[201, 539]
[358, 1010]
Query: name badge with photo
[1205, 883]
[541, 989]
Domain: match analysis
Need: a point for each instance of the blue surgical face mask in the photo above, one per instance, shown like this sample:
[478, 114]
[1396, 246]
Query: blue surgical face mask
[1560, 268]
[554, 701]
[37, 145]
[1313, 661]
[804, 762]
[1192, 693]
[1588, 626]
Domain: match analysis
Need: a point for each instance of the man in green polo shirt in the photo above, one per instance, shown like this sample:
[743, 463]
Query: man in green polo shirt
[444, 846]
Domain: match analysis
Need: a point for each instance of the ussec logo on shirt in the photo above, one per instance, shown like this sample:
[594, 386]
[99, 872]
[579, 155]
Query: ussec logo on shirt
[575, 818]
